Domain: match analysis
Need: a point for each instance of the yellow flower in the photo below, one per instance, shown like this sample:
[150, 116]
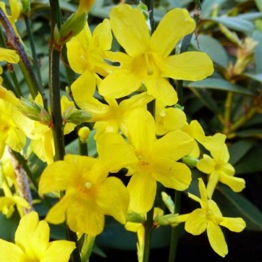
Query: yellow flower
[218, 169]
[155, 160]
[111, 117]
[148, 60]
[11, 134]
[89, 193]
[86, 57]
[210, 218]
[32, 243]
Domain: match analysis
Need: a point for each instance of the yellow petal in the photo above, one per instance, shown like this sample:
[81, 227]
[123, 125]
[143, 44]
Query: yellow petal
[237, 184]
[165, 38]
[10, 252]
[56, 177]
[119, 84]
[173, 145]
[196, 222]
[212, 183]
[192, 66]
[40, 238]
[9, 55]
[161, 89]
[59, 250]
[83, 88]
[233, 224]
[172, 174]
[134, 40]
[142, 191]
[217, 239]
[85, 216]
[113, 198]
[102, 36]
[26, 229]
[114, 152]
[206, 164]
[57, 213]
[140, 128]
[77, 51]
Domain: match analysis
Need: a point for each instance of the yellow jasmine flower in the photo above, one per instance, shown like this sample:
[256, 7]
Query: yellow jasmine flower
[210, 218]
[11, 134]
[86, 53]
[111, 117]
[32, 243]
[218, 169]
[89, 193]
[147, 60]
[155, 160]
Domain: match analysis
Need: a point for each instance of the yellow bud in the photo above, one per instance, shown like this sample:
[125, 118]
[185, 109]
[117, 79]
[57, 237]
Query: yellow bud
[83, 134]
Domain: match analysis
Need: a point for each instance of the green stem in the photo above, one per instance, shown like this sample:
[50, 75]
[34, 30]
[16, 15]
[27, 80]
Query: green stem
[174, 230]
[54, 85]
[227, 113]
[87, 247]
[150, 7]
[148, 234]
[32, 45]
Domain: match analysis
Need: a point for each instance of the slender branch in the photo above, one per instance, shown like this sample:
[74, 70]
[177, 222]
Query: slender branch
[14, 42]
[54, 85]
[148, 234]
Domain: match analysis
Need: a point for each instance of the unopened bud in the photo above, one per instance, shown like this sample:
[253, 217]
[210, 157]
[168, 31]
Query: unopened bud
[168, 202]
[26, 6]
[83, 134]
[190, 161]
[77, 117]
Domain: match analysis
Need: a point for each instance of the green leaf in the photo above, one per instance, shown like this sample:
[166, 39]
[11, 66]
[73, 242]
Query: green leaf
[249, 133]
[220, 84]
[259, 5]
[235, 205]
[240, 149]
[213, 48]
[256, 77]
[258, 53]
[251, 162]
[235, 23]
[209, 5]
[8, 226]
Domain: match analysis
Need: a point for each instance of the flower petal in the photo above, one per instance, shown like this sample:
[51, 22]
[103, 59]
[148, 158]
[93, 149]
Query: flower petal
[142, 191]
[83, 88]
[9, 55]
[113, 198]
[172, 174]
[237, 184]
[56, 177]
[25, 230]
[161, 89]
[212, 183]
[136, 38]
[192, 66]
[166, 37]
[174, 145]
[217, 239]
[233, 224]
[119, 84]
[140, 128]
[59, 250]
[10, 252]
[206, 164]
[196, 222]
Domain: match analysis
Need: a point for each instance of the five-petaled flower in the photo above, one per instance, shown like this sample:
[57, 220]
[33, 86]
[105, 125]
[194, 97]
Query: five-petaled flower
[32, 243]
[147, 60]
[210, 218]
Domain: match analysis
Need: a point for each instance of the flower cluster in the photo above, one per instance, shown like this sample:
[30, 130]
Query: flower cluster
[139, 129]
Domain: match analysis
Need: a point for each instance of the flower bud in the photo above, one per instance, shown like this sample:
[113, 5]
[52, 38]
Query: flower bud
[26, 6]
[75, 116]
[168, 202]
[83, 134]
